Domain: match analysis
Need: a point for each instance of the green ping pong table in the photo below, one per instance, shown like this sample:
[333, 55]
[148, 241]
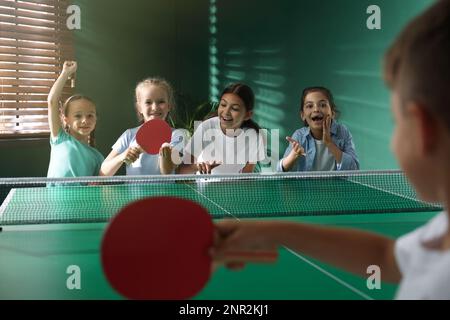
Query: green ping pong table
[51, 230]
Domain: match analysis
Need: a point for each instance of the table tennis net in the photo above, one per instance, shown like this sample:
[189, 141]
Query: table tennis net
[40, 201]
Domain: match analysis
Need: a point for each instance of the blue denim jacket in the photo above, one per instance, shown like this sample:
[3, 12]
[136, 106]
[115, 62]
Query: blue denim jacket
[341, 137]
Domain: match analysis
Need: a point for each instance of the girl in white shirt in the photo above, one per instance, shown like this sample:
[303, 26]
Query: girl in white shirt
[229, 142]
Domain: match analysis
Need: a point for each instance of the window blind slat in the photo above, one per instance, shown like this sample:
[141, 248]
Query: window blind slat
[28, 120]
[26, 82]
[24, 135]
[41, 32]
[24, 75]
[26, 59]
[13, 128]
[50, 2]
[21, 97]
[27, 90]
[33, 52]
[48, 8]
[8, 97]
[32, 37]
[29, 22]
[27, 67]
[23, 112]
[21, 129]
[33, 15]
[23, 105]
[27, 44]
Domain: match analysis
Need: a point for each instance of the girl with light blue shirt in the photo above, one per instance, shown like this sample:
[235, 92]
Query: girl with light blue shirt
[323, 144]
[72, 140]
[154, 100]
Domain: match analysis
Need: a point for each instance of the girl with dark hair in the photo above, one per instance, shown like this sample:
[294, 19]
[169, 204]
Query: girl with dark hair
[323, 144]
[229, 142]
[72, 131]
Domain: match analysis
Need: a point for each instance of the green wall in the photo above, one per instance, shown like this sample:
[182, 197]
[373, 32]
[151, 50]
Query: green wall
[278, 47]
[281, 49]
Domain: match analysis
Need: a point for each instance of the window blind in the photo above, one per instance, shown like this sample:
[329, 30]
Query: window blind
[34, 43]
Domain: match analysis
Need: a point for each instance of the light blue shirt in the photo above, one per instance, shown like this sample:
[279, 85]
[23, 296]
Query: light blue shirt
[341, 137]
[71, 158]
[147, 164]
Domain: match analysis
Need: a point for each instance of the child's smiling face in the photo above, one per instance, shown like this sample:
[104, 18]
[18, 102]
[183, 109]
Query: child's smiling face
[316, 108]
[232, 112]
[153, 103]
[81, 118]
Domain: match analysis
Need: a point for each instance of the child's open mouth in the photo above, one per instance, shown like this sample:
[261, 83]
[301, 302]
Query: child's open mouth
[317, 119]
[227, 120]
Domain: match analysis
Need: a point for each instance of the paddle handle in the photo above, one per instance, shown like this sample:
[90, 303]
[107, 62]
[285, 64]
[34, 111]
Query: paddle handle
[172, 144]
[128, 162]
[72, 79]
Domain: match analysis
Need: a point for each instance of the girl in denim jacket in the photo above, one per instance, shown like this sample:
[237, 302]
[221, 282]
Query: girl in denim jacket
[323, 144]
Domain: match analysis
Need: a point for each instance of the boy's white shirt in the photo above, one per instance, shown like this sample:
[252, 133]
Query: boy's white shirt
[425, 272]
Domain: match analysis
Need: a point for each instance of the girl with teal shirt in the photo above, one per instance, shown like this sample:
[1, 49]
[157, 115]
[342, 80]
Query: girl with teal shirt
[72, 132]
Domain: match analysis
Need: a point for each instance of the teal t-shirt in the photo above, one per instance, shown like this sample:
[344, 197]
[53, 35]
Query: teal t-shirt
[72, 158]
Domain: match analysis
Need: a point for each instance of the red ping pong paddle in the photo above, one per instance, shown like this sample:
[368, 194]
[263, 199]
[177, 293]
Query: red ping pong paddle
[157, 249]
[153, 134]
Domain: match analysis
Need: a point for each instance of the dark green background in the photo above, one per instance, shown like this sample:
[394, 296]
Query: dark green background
[277, 47]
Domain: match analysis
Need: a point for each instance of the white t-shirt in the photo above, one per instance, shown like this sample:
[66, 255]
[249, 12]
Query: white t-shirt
[147, 164]
[209, 144]
[425, 271]
[324, 160]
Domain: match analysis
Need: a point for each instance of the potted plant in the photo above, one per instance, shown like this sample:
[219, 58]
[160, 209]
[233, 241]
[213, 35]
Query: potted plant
[189, 110]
